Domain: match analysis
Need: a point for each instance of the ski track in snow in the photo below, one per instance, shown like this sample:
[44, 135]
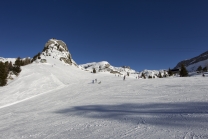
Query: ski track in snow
[61, 102]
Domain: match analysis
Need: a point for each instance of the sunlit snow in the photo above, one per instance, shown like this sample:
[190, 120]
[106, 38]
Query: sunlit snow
[54, 100]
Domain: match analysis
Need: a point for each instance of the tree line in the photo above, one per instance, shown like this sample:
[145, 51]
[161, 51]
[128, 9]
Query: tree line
[7, 67]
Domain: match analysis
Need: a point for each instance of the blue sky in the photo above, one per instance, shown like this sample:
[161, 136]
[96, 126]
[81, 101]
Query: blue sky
[142, 34]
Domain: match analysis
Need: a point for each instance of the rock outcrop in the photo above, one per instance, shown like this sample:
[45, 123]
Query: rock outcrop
[56, 49]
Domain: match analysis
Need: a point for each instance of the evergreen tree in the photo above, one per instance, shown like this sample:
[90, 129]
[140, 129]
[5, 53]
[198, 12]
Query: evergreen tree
[159, 75]
[10, 67]
[170, 73]
[205, 69]
[18, 62]
[3, 74]
[16, 70]
[143, 76]
[183, 72]
[164, 74]
[199, 69]
[94, 71]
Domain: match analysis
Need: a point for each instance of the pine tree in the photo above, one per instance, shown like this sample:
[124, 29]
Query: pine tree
[164, 75]
[170, 73]
[94, 71]
[10, 67]
[199, 69]
[159, 75]
[205, 69]
[18, 62]
[183, 72]
[143, 76]
[16, 70]
[3, 74]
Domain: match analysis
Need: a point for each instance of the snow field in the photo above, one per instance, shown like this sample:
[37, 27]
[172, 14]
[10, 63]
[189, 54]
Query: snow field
[76, 108]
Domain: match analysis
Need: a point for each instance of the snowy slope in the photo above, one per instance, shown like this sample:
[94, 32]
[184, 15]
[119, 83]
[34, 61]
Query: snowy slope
[193, 63]
[193, 67]
[54, 100]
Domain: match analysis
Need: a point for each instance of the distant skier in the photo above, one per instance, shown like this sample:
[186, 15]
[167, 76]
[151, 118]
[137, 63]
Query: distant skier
[203, 75]
[124, 77]
[92, 81]
[99, 82]
[95, 80]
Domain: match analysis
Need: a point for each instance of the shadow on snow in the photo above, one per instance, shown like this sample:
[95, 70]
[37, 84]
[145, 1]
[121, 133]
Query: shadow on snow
[161, 114]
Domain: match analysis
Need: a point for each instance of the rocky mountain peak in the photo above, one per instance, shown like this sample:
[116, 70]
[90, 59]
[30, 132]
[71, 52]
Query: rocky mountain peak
[56, 49]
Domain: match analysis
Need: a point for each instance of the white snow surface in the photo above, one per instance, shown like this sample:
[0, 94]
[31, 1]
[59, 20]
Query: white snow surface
[54, 100]
[193, 67]
[102, 66]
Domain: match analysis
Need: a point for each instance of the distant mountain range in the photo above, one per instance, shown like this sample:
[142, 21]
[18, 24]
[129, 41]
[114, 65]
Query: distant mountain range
[57, 50]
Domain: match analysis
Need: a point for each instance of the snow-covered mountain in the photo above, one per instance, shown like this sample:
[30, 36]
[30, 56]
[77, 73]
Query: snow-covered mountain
[193, 63]
[55, 49]
[105, 66]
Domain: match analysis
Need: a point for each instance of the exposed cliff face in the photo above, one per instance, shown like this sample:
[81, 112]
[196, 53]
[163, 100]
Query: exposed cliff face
[61, 47]
[193, 61]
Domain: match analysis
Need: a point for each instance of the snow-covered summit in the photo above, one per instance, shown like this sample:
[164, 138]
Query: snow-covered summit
[105, 66]
[56, 49]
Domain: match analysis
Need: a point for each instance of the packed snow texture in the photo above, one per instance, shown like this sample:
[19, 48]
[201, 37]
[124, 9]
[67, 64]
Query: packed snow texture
[54, 100]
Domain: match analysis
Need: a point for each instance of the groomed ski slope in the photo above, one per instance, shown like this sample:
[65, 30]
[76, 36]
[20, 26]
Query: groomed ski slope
[59, 101]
